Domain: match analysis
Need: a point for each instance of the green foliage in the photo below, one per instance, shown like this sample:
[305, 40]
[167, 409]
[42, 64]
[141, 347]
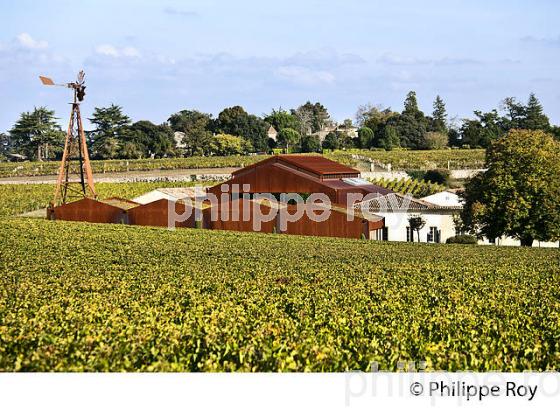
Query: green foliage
[123, 298]
[438, 122]
[437, 176]
[435, 140]
[389, 139]
[519, 195]
[365, 137]
[312, 117]
[236, 121]
[331, 141]
[281, 119]
[36, 135]
[110, 126]
[463, 239]
[224, 144]
[310, 143]
[288, 137]
[156, 140]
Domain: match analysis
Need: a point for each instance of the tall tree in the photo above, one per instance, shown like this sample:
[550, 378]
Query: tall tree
[438, 121]
[190, 120]
[411, 125]
[281, 119]
[365, 137]
[480, 132]
[535, 119]
[110, 123]
[313, 117]
[331, 141]
[236, 121]
[515, 113]
[519, 194]
[310, 143]
[288, 137]
[155, 140]
[37, 135]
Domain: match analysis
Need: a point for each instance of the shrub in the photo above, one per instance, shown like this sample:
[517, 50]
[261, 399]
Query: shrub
[463, 239]
[437, 176]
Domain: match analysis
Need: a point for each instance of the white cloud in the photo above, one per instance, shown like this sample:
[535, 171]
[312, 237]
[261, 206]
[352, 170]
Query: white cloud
[116, 52]
[394, 59]
[304, 76]
[26, 41]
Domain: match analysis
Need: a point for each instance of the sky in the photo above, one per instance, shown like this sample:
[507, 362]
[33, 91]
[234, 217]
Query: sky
[155, 58]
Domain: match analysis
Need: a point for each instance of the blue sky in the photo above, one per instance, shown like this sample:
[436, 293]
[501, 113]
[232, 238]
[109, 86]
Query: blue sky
[157, 57]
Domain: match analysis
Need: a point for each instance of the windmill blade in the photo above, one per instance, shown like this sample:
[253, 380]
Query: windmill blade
[49, 81]
[46, 80]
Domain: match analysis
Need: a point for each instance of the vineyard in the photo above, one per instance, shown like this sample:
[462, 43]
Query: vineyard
[415, 187]
[148, 299]
[399, 160]
[19, 198]
[403, 160]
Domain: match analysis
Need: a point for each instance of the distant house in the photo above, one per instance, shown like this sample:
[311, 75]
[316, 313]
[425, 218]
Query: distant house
[170, 194]
[272, 133]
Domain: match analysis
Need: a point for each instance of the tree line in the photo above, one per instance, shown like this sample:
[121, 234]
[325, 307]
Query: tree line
[307, 128]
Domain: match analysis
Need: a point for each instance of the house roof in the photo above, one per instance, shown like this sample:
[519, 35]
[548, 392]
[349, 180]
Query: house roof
[315, 164]
[395, 202]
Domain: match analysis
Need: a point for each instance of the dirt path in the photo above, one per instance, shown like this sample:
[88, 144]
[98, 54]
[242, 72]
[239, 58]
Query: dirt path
[155, 175]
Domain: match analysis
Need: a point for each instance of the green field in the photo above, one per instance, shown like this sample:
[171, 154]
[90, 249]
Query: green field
[76, 296]
[399, 160]
[19, 198]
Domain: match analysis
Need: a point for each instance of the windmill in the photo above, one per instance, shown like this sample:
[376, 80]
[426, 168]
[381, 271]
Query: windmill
[75, 177]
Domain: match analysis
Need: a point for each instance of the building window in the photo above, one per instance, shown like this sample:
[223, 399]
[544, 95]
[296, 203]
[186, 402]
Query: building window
[434, 235]
[385, 234]
[409, 233]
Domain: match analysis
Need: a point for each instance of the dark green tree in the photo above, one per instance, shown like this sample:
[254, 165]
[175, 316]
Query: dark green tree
[365, 137]
[480, 132]
[154, 140]
[110, 123]
[389, 139]
[535, 119]
[438, 121]
[416, 223]
[190, 120]
[288, 138]
[310, 143]
[411, 125]
[515, 113]
[37, 135]
[281, 119]
[331, 141]
[236, 121]
[519, 194]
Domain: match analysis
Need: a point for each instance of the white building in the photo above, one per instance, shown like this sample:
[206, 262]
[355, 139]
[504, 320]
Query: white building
[397, 209]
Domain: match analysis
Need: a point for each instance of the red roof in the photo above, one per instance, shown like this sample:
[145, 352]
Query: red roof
[315, 164]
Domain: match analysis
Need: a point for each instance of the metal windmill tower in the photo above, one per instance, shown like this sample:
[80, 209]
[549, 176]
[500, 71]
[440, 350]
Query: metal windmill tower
[75, 177]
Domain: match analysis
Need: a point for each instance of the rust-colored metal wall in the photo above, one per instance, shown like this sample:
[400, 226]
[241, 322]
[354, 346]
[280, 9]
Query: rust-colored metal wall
[336, 225]
[157, 214]
[276, 178]
[88, 210]
[245, 222]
